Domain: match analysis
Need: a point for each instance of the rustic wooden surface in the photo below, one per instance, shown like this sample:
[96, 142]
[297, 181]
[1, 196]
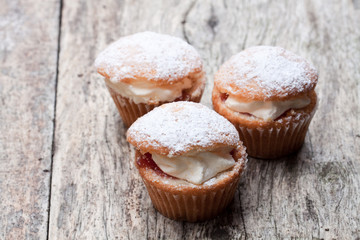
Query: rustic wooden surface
[28, 61]
[66, 170]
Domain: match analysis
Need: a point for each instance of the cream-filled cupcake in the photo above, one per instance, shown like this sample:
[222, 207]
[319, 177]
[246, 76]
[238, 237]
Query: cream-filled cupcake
[190, 159]
[147, 69]
[268, 94]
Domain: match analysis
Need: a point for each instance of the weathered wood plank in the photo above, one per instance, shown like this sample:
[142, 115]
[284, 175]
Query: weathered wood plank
[96, 191]
[28, 56]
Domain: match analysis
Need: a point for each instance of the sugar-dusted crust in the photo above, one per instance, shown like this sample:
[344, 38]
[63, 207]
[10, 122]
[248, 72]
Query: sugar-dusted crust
[177, 128]
[183, 187]
[149, 56]
[293, 115]
[265, 73]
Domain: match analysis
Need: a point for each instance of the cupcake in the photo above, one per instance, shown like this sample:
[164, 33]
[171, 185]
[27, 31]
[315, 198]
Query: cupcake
[190, 159]
[147, 69]
[268, 94]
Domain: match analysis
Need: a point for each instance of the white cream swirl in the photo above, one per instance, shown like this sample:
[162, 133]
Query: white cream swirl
[145, 91]
[196, 168]
[269, 110]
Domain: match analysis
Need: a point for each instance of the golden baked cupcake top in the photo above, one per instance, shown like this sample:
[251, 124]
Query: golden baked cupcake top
[266, 73]
[179, 128]
[151, 68]
[149, 56]
[264, 83]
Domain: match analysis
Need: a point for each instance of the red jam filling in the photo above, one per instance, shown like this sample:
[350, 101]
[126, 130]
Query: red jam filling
[184, 97]
[146, 161]
[282, 115]
[224, 96]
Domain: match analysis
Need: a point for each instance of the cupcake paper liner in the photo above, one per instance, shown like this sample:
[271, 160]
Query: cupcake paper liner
[272, 142]
[271, 139]
[192, 207]
[129, 111]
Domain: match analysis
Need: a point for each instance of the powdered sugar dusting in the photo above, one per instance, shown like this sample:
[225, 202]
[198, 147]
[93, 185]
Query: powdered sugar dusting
[267, 71]
[181, 126]
[150, 55]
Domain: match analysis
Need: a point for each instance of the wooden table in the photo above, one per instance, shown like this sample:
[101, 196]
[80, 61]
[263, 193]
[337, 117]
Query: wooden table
[66, 170]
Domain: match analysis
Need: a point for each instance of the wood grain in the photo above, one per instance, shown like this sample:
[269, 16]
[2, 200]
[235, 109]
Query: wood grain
[28, 56]
[96, 192]
[313, 193]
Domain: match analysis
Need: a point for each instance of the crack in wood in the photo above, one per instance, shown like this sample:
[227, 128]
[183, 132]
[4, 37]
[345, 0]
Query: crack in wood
[53, 145]
[356, 4]
[183, 22]
[213, 21]
[271, 202]
[105, 221]
[242, 215]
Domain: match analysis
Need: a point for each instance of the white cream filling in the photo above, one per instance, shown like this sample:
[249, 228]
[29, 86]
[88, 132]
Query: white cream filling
[269, 110]
[196, 168]
[144, 91]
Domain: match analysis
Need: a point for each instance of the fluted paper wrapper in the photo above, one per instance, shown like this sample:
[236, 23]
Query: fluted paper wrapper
[273, 142]
[192, 207]
[130, 111]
